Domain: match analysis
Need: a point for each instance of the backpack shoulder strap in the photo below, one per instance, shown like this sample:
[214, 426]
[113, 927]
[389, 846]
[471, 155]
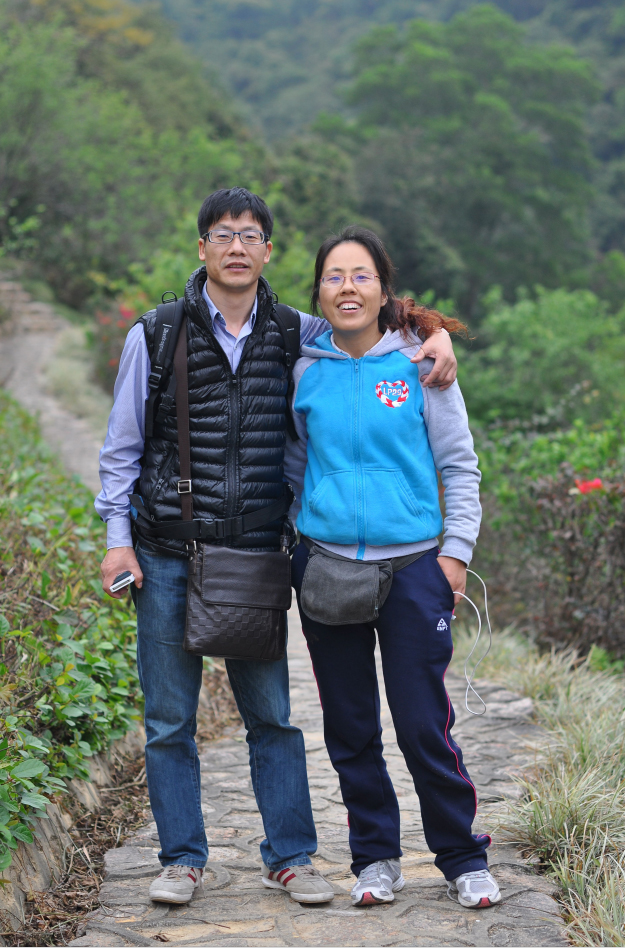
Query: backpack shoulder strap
[288, 319]
[166, 331]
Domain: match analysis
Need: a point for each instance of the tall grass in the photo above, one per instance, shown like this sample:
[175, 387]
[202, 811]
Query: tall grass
[572, 813]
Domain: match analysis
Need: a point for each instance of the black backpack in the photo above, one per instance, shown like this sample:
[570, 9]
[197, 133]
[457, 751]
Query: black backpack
[169, 315]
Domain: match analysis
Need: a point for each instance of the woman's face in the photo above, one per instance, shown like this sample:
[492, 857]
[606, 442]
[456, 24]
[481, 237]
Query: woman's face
[352, 307]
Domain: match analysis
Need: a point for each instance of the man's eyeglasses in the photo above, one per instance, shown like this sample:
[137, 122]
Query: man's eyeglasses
[358, 279]
[227, 236]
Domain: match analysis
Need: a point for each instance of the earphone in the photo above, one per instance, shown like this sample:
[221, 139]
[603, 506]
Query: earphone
[469, 678]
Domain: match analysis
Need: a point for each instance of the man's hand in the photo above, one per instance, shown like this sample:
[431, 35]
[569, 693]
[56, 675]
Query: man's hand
[438, 347]
[456, 573]
[116, 561]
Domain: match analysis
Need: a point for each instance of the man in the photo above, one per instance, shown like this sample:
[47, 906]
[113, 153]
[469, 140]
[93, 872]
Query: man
[236, 357]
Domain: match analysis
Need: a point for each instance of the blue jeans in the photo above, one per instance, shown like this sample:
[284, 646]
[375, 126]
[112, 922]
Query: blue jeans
[171, 679]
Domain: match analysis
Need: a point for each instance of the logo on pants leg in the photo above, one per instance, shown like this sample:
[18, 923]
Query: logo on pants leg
[442, 626]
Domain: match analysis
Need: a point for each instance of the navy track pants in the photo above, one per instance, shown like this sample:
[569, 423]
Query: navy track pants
[414, 633]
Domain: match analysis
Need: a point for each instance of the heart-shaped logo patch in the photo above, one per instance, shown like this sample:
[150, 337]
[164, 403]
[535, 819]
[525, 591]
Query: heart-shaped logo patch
[392, 394]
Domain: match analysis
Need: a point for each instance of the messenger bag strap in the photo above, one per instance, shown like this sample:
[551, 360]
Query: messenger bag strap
[182, 415]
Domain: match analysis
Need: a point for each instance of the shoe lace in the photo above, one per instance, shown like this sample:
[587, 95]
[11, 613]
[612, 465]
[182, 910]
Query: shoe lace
[478, 881]
[176, 871]
[370, 873]
[306, 870]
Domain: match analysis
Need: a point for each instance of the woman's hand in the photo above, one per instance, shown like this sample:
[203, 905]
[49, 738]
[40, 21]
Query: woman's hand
[456, 573]
[438, 347]
[116, 561]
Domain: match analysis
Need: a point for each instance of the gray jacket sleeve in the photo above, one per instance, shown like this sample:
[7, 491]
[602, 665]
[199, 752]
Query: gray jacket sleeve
[452, 447]
[296, 454]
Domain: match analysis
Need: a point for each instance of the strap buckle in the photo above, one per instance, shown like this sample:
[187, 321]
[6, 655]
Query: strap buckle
[155, 376]
[184, 487]
[211, 529]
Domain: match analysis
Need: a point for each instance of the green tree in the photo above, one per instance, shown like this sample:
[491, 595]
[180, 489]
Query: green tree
[86, 176]
[478, 169]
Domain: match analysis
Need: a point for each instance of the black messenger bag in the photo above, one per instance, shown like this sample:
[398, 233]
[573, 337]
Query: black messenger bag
[236, 600]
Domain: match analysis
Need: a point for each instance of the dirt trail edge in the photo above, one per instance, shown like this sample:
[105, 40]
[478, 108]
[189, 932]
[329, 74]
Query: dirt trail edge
[26, 347]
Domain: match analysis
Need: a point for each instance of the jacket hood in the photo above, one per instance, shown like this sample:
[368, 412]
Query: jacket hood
[324, 346]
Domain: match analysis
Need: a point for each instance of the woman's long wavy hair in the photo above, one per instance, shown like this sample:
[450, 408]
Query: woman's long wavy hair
[403, 314]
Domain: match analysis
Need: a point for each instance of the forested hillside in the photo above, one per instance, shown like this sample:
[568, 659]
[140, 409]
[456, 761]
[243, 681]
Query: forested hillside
[562, 207]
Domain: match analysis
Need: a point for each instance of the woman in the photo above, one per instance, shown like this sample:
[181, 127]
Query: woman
[365, 474]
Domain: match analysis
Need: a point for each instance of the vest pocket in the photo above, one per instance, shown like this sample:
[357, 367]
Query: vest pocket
[164, 472]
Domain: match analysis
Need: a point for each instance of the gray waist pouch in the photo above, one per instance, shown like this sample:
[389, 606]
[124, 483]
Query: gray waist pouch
[339, 591]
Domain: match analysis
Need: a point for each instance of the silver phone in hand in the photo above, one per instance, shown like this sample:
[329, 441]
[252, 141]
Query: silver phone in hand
[121, 581]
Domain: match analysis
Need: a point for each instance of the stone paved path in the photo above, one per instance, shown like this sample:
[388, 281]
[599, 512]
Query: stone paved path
[235, 908]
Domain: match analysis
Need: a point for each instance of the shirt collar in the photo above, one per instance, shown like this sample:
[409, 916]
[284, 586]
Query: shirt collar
[214, 312]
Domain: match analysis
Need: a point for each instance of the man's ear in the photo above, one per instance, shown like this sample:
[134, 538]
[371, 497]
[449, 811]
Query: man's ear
[201, 249]
[268, 249]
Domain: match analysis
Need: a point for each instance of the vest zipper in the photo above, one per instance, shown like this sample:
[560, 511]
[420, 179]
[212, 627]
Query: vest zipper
[233, 445]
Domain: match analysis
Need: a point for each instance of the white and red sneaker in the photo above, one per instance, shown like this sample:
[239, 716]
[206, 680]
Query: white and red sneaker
[176, 884]
[378, 882]
[303, 883]
[474, 889]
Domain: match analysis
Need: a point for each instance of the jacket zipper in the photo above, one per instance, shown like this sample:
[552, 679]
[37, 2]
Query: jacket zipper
[234, 417]
[233, 444]
[357, 459]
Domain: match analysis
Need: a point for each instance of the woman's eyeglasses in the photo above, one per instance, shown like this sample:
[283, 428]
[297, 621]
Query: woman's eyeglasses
[335, 281]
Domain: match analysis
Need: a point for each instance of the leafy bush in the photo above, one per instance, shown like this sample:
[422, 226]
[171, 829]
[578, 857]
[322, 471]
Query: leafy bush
[68, 679]
[551, 541]
[531, 355]
[575, 561]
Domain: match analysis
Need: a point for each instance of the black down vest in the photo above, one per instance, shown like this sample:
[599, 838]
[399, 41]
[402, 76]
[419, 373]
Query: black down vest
[237, 427]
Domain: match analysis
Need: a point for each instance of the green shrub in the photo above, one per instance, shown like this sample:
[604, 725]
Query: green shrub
[529, 359]
[68, 679]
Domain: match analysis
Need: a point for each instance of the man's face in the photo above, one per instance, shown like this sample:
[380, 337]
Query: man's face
[235, 266]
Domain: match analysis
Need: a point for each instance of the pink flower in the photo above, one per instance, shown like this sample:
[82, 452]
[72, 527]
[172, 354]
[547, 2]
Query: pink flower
[585, 487]
[126, 312]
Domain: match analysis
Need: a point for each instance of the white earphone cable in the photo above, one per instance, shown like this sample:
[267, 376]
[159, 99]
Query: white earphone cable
[469, 678]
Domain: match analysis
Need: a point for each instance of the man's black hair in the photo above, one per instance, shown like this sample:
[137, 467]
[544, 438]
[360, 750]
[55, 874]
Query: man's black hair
[233, 201]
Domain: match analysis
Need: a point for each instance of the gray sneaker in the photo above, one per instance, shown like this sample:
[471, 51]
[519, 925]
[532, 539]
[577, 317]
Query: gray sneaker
[474, 889]
[378, 882]
[176, 884]
[303, 883]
